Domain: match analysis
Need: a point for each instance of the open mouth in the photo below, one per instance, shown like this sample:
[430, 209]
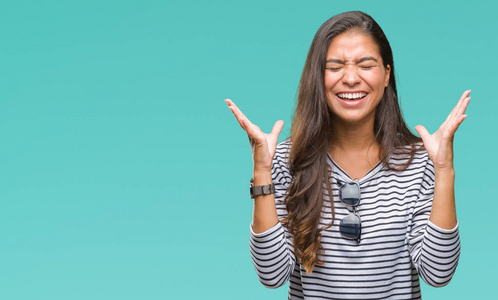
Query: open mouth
[352, 96]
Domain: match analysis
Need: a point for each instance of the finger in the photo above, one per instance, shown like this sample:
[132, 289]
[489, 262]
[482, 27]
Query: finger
[231, 106]
[457, 106]
[459, 113]
[254, 132]
[422, 131]
[455, 125]
[235, 110]
[237, 113]
[238, 119]
[463, 108]
[277, 128]
[243, 125]
[449, 133]
[457, 109]
[464, 95]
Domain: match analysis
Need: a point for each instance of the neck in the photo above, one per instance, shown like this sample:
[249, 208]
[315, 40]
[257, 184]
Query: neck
[353, 137]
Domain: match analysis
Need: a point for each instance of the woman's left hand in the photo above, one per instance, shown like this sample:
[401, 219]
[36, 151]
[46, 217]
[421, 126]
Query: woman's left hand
[439, 145]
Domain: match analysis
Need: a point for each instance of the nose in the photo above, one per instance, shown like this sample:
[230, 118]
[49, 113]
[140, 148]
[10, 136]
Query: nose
[350, 76]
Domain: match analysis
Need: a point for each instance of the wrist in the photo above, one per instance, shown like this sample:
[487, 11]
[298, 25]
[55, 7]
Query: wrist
[261, 171]
[444, 172]
[445, 179]
[262, 177]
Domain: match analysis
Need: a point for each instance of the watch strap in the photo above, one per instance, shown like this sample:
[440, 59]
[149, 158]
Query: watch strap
[257, 190]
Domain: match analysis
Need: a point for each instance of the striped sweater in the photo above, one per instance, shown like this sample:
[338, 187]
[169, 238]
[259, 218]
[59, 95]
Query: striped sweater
[398, 242]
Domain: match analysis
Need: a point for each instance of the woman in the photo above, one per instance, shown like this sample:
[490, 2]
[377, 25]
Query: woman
[392, 214]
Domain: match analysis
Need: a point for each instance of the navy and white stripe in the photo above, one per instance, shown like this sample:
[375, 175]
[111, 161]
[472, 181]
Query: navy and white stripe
[398, 242]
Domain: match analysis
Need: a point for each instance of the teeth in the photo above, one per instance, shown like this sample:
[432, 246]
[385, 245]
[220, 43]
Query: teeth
[351, 95]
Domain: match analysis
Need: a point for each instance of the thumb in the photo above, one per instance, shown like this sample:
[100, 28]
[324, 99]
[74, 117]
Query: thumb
[277, 128]
[422, 131]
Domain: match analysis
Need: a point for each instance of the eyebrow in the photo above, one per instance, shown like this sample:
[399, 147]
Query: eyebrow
[338, 61]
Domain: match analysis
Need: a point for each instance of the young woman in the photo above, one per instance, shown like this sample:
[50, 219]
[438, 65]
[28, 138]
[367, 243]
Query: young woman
[353, 205]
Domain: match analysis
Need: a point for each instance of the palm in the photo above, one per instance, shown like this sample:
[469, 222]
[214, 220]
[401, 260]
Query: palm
[439, 145]
[263, 145]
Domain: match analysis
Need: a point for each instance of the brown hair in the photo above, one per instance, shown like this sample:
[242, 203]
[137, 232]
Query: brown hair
[311, 132]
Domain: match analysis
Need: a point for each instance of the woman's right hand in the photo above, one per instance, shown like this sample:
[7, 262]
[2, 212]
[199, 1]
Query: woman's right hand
[263, 145]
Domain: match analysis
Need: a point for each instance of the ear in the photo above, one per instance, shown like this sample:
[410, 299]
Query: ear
[387, 75]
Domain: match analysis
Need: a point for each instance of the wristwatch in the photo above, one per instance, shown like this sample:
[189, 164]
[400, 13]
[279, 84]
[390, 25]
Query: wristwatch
[257, 190]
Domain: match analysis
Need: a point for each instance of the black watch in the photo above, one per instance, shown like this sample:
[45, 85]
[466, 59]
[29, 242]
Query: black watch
[257, 190]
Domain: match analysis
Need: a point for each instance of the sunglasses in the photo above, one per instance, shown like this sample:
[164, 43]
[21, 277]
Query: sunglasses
[350, 226]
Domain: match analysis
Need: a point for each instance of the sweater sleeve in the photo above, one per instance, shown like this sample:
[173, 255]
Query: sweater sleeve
[434, 251]
[271, 251]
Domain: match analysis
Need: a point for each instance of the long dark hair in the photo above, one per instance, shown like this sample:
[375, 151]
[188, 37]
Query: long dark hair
[311, 135]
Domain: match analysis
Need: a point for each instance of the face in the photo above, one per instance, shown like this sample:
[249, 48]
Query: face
[355, 77]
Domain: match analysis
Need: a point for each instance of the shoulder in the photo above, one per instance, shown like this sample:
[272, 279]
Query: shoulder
[282, 151]
[284, 146]
[280, 165]
[414, 157]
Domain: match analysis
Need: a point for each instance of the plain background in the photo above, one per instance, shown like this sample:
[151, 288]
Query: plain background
[123, 175]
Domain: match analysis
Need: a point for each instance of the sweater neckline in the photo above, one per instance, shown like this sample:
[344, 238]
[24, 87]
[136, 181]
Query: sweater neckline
[344, 177]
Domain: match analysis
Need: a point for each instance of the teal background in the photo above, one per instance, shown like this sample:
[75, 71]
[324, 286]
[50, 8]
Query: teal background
[123, 175]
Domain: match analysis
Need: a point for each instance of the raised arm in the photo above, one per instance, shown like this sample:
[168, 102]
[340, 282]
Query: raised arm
[270, 244]
[263, 148]
[439, 146]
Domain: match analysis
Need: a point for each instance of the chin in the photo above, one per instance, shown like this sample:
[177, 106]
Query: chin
[354, 118]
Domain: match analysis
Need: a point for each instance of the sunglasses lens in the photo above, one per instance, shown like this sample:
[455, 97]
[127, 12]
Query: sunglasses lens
[349, 193]
[351, 227]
